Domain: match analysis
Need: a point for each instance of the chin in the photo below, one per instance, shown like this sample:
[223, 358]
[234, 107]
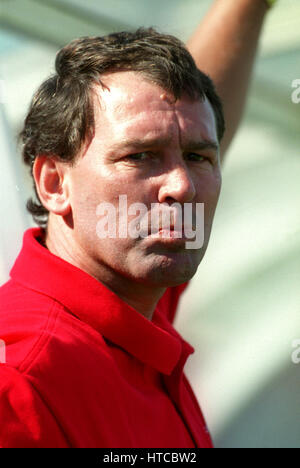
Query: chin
[167, 273]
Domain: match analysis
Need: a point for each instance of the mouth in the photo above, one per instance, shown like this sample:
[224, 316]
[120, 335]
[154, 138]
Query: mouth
[168, 228]
[171, 235]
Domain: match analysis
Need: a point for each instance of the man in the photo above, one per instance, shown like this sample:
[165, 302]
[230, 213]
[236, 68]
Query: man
[91, 357]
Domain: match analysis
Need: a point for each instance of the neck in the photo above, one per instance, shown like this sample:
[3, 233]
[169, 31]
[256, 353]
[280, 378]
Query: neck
[141, 297]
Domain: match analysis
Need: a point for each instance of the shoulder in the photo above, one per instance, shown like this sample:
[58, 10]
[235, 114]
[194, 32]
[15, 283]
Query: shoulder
[44, 343]
[35, 327]
[25, 420]
[25, 316]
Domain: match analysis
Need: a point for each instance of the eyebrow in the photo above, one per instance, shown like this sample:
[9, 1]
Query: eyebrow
[138, 143]
[202, 145]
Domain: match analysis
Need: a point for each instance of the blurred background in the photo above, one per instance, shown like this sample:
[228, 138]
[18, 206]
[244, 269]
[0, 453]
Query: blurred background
[242, 310]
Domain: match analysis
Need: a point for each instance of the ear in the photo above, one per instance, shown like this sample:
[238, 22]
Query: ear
[51, 179]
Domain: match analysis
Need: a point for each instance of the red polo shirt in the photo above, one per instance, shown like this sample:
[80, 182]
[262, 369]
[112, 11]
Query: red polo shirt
[84, 369]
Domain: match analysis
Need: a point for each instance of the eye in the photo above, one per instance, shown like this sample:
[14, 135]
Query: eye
[196, 157]
[138, 156]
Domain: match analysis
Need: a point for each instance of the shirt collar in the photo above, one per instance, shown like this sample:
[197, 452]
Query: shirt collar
[155, 342]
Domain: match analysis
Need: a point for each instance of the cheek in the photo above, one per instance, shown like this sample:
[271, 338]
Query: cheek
[88, 189]
[84, 199]
[209, 195]
[209, 187]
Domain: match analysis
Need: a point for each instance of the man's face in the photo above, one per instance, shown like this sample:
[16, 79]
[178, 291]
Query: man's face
[152, 150]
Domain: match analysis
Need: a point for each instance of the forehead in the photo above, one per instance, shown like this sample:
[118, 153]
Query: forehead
[129, 106]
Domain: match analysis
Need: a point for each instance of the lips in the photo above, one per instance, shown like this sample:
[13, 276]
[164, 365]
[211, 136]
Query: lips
[183, 229]
[185, 234]
[163, 223]
[172, 226]
[163, 228]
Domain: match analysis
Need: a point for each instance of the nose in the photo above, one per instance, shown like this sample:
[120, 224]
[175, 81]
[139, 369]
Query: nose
[177, 185]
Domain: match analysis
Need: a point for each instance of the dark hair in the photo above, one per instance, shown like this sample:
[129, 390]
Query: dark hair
[61, 115]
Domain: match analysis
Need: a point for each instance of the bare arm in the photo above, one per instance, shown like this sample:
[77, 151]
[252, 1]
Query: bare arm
[224, 46]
